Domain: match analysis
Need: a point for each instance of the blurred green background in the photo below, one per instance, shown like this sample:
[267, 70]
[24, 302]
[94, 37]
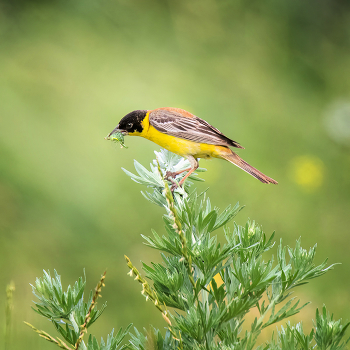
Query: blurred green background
[273, 75]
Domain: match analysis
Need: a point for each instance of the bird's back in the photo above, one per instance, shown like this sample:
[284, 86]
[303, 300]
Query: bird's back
[182, 124]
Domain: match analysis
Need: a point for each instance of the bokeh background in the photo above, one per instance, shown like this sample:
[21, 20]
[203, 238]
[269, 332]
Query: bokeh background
[273, 75]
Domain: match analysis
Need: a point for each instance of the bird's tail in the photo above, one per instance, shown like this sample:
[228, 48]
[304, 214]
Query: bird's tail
[238, 161]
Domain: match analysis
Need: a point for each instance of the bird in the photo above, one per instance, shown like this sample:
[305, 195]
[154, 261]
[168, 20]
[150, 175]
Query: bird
[187, 135]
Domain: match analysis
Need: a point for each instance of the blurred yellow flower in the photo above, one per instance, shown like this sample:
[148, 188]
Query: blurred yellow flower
[307, 171]
[218, 280]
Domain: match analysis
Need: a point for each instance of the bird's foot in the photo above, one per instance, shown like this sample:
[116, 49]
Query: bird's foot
[174, 187]
[170, 174]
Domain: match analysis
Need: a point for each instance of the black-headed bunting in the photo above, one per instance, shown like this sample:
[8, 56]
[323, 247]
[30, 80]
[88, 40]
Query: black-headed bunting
[185, 134]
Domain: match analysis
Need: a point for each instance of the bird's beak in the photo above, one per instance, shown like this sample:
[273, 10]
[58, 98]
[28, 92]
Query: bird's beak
[115, 130]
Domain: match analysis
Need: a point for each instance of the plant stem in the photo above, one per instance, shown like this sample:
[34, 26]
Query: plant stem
[202, 319]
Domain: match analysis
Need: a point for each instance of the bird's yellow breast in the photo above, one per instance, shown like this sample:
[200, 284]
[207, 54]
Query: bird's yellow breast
[176, 145]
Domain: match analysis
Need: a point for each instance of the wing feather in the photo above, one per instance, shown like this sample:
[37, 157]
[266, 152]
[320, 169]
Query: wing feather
[172, 122]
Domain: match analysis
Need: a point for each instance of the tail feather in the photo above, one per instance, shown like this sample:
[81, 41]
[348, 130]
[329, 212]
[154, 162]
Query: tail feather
[238, 161]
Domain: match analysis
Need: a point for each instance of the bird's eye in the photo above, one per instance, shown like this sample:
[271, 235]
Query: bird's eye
[129, 125]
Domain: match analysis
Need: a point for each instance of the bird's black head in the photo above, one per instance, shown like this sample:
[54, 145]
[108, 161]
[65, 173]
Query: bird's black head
[131, 123]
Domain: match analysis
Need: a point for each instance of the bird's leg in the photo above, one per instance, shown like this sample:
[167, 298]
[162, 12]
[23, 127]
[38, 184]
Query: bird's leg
[174, 185]
[194, 166]
[173, 174]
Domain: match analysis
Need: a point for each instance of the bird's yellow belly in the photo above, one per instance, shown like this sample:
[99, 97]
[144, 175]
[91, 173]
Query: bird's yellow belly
[179, 146]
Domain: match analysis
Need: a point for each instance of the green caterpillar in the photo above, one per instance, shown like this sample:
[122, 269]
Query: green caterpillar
[117, 137]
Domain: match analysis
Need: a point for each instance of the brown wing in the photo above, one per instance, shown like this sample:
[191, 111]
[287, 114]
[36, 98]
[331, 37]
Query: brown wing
[179, 123]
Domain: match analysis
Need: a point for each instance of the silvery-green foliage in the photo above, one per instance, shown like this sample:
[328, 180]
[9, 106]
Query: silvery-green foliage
[212, 274]
[229, 277]
[68, 312]
[153, 180]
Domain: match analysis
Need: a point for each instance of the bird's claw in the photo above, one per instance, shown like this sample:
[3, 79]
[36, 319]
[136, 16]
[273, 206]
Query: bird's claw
[170, 174]
[174, 187]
